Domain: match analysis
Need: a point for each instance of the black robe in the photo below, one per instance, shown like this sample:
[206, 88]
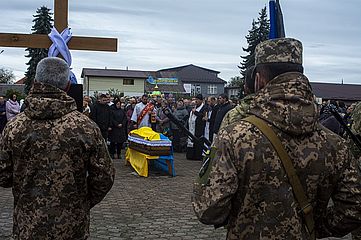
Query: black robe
[195, 152]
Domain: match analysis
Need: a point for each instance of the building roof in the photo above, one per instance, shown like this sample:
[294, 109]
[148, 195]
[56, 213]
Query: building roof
[21, 81]
[194, 74]
[186, 74]
[115, 73]
[186, 66]
[350, 92]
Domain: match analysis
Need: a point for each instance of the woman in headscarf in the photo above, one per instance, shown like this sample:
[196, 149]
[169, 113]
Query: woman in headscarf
[12, 107]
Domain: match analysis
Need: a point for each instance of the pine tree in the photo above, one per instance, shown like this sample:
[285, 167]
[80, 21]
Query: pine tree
[42, 25]
[258, 33]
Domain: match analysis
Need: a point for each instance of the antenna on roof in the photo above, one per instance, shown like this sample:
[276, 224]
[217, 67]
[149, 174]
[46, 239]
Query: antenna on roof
[342, 81]
[127, 68]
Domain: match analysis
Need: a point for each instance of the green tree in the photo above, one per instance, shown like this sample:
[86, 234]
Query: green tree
[115, 92]
[42, 25]
[6, 76]
[259, 32]
[10, 92]
[236, 81]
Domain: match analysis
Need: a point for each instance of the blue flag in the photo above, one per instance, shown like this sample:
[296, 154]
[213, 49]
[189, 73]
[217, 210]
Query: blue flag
[277, 29]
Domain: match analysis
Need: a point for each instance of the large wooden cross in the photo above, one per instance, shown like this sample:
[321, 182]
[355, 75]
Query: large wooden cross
[60, 22]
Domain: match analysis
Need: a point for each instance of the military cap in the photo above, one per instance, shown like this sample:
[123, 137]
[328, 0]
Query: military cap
[280, 50]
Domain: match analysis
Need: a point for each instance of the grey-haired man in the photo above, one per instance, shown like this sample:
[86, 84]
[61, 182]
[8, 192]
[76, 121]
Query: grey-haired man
[55, 159]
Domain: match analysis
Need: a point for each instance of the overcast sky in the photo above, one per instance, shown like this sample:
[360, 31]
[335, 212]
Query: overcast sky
[159, 34]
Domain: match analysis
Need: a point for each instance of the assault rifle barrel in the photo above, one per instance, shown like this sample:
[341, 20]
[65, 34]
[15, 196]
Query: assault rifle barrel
[354, 138]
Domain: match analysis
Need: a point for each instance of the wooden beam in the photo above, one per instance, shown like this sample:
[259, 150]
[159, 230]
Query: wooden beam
[60, 14]
[43, 41]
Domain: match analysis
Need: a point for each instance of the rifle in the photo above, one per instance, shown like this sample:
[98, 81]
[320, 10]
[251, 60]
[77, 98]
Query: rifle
[354, 138]
[202, 141]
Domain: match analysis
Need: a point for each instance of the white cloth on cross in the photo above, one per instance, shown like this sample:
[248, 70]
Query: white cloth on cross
[60, 45]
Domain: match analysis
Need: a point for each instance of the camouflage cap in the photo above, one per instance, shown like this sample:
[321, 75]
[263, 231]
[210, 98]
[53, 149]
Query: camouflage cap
[280, 50]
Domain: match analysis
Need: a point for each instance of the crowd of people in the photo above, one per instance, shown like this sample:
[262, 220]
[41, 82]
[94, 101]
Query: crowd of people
[273, 171]
[117, 116]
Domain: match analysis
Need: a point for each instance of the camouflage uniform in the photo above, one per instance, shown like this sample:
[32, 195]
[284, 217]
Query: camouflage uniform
[356, 129]
[56, 161]
[238, 112]
[247, 184]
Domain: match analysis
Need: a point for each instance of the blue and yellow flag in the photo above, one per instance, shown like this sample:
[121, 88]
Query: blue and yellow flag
[277, 29]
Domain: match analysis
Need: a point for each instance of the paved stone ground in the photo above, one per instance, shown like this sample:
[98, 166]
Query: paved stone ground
[157, 207]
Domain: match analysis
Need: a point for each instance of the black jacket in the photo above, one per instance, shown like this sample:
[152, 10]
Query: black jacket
[223, 109]
[118, 134]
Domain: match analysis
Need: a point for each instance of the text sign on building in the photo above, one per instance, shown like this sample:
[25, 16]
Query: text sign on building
[162, 81]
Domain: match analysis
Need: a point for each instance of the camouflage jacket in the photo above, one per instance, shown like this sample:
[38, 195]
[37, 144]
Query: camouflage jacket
[240, 111]
[56, 161]
[356, 128]
[248, 185]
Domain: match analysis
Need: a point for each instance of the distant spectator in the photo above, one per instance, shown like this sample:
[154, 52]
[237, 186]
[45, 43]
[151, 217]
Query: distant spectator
[118, 134]
[86, 108]
[163, 123]
[101, 115]
[179, 138]
[3, 119]
[12, 107]
[224, 107]
[129, 112]
[212, 113]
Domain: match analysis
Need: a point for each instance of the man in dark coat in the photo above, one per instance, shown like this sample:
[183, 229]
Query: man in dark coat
[224, 107]
[212, 111]
[2, 114]
[55, 159]
[118, 134]
[101, 115]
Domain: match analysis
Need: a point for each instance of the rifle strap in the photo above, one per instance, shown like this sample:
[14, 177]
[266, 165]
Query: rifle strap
[306, 207]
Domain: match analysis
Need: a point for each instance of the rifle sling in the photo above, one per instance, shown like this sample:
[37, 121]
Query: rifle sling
[295, 182]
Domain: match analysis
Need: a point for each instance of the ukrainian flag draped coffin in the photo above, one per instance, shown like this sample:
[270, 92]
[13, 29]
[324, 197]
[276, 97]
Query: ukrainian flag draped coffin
[147, 146]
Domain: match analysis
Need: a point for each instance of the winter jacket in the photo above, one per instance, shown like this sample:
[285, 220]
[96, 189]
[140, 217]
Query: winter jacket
[249, 187]
[57, 164]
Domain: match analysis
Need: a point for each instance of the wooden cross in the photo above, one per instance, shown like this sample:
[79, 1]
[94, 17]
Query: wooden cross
[60, 22]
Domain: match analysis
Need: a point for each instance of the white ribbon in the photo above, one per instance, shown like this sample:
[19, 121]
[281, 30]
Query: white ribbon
[60, 45]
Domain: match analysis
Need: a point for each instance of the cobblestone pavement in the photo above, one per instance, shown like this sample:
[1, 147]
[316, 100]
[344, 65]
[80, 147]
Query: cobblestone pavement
[157, 207]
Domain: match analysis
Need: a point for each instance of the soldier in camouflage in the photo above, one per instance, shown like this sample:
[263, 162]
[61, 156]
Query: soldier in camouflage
[55, 159]
[356, 129]
[247, 184]
[241, 110]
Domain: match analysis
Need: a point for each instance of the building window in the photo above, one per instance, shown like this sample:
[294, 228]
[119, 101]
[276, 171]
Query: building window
[196, 89]
[128, 81]
[212, 89]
